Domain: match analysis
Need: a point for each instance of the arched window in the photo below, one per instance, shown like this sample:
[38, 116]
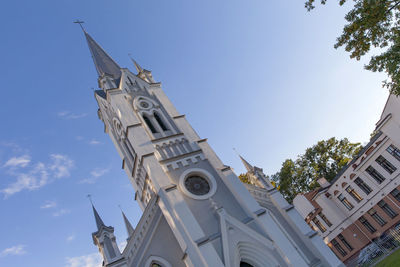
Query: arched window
[156, 261]
[149, 124]
[245, 264]
[160, 122]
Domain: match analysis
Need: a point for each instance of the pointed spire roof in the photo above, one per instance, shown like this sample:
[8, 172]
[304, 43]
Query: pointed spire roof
[129, 227]
[139, 69]
[248, 166]
[99, 221]
[103, 62]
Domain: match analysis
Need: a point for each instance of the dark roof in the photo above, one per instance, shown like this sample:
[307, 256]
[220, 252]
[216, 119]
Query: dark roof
[371, 142]
[99, 221]
[103, 62]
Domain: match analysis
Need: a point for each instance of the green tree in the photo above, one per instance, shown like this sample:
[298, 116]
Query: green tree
[244, 178]
[325, 159]
[373, 24]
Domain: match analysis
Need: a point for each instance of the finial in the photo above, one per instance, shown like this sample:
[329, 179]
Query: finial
[89, 196]
[80, 22]
[139, 69]
[119, 206]
[248, 166]
[237, 153]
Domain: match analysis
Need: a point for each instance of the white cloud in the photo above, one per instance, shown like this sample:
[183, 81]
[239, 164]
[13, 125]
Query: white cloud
[21, 161]
[70, 116]
[61, 165]
[15, 250]
[99, 172]
[94, 142]
[90, 260]
[63, 113]
[94, 175]
[70, 238]
[61, 212]
[49, 205]
[39, 174]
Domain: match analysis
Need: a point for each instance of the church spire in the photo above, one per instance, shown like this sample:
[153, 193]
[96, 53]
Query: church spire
[247, 165]
[103, 62]
[129, 227]
[99, 221]
[139, 69]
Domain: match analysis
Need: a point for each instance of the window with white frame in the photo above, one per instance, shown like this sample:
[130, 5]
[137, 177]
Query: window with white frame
[345, 202]
[362, 185]
[354, 194]
[386, 164]
[379, 178]
[394, 151]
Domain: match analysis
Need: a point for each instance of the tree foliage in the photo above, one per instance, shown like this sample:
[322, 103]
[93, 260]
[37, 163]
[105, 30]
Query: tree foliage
[373, 24]
[325, 159]
[244, 178]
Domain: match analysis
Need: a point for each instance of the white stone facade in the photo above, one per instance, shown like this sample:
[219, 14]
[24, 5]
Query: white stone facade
[196, 210]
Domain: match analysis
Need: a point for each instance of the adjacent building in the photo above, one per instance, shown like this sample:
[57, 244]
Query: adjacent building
[196, 212]
[363, 201]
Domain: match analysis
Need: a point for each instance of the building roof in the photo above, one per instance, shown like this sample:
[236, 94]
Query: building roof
[103, 62]
[99, 221]
[365, 148]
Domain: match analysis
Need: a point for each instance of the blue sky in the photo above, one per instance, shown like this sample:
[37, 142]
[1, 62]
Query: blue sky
[260, 76]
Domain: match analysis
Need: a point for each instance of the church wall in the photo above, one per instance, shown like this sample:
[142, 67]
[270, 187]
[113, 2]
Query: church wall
[202, 209]
[188, 231]
[161, 243]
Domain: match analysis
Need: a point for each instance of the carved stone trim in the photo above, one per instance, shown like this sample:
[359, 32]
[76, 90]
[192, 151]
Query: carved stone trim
[179, 116]
[260, 212]
[170, 187]
[166, 137]
[181, 156]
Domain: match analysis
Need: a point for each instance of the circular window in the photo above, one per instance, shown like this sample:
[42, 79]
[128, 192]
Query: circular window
[198, 184]
[144, 104]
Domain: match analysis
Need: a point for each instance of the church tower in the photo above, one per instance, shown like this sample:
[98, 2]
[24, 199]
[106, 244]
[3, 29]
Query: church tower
[105, 240]
[196, 212]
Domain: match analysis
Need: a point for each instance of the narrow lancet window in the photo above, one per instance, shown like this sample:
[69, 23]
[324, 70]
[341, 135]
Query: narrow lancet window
[160, 122]
[149, 124]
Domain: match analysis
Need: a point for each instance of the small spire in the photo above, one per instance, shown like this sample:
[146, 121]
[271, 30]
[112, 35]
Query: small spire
[139, 69]
[128, 225]
[99, 221]
[247, 165]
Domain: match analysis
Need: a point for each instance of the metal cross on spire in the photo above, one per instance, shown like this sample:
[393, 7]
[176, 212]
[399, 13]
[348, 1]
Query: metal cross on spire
[80, 22]
[89, 196]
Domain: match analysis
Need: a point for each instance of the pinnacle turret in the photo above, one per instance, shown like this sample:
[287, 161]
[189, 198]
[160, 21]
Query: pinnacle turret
[247, 165]
[128, 225]
[139, 69]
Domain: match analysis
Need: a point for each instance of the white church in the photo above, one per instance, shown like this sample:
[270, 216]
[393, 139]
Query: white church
[196, 211]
